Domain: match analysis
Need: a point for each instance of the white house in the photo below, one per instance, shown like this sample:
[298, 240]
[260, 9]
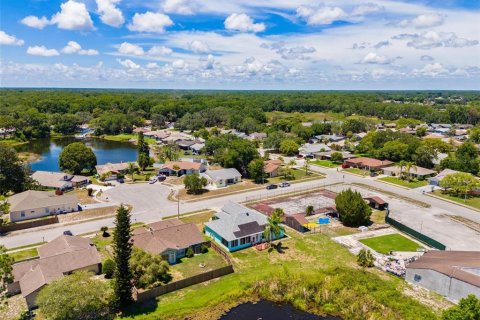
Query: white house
[36, 204]
[223, 177]
[308, 150]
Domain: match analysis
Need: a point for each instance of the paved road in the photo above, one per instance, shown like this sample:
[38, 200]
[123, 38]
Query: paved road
[150, 204]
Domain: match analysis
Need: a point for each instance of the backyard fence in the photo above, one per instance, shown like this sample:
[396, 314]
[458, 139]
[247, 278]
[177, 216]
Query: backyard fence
[219, 250]
[141, 296]
[15, 226]
[414, 233]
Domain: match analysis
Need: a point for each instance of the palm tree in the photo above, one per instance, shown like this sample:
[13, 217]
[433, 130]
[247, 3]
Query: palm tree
[409, 166]
[401, 165]
[131, 170]
[306, 165]
[274, 229]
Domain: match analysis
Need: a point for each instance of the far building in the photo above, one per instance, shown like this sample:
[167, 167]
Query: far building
[180, 168]
[368, 163]
[59, 180]
[222, 177]
[272, 167]
[435, 181]
[111, 171]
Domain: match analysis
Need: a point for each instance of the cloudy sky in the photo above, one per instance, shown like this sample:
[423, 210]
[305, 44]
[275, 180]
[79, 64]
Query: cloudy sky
[241, 44]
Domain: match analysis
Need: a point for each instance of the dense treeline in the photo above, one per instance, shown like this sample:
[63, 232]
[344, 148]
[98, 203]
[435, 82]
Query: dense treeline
[35, 112]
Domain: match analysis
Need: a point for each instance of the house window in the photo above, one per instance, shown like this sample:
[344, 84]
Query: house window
[244, 240]
[225, 242]
[22, 214]
[417, 278]
[234, 243]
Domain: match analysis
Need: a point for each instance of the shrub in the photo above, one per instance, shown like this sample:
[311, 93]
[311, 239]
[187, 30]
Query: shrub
[104, 230]
[90, 192]
[148, 270]
[189, 253]
[204, 249]
[108, 268]
[365, 258]
[309, 210]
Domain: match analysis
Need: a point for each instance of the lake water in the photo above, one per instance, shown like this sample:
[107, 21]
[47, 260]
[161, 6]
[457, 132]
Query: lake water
[49, 150]
[267, 310]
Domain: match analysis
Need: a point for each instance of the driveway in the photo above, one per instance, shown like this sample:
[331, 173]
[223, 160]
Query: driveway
[143, 197]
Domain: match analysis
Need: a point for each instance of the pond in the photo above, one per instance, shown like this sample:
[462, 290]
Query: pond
[267, 310]
[105, 150]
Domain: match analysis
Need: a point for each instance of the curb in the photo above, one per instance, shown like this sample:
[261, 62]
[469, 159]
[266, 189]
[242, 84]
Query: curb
[452, 202]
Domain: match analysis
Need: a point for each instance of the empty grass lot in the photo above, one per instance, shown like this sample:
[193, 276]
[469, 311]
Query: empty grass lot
[188, 267]
[360, 172]
[404, 183]
[391, 242]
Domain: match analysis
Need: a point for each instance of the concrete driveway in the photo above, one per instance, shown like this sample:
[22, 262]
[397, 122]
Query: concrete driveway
[143, 197]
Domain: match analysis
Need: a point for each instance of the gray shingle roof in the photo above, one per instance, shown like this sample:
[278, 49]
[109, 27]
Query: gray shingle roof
[222, 174]
[32, 199]
[235, 221]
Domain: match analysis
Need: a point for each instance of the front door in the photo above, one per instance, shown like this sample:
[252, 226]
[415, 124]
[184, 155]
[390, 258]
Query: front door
[171, 257]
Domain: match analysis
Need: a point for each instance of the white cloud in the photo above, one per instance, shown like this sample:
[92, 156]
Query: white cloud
[381, 44]
[198, 46]
[10, 40]
[127, 48]
[109, 13]
[426, 57]
[129, 64]
[184, 7]
[73, 47]
[35, 22]
[290, 53]
[431, 70]
[373, 58]
[242, 22]
[158, 51]
[73, 16]
[321, 15]
[179, 64]
[423, 21]
[432, 39]
[150, 22]
[42, 51]
[366, 9]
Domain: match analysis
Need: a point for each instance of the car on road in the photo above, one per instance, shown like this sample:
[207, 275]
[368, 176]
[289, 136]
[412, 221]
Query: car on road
[68, 233]
[152, 180]
[120, 180]
[272, 186]
[284, 185]
[161, 177]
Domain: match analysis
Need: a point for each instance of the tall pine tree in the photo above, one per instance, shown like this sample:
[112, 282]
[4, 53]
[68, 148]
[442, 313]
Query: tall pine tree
[122, 250]
[143, 152]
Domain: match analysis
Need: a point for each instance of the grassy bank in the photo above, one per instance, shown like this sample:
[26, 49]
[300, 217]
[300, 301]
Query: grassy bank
[125, 137]
[312, 272]
[11, 142]
[469, 201]
[404, 183]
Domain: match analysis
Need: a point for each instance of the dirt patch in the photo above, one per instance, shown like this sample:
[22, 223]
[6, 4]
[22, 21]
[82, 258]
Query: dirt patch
[475, 226]
[88, 214]
[427, 297]
[83, 197]
[16, 305]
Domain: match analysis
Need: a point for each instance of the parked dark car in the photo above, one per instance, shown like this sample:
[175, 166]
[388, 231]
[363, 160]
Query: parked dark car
[161, 177]
[120, 180]
[272, 186]
[68, 233]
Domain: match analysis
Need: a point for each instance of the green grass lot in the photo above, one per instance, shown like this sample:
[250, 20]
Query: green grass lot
[24, 254]
[470, 201]
[11, 142]
[391, 242]
[188, 267]
[311, 272]
[126, 137]
[325, 163]
[358, 171]
[404, 183]
[299, 174]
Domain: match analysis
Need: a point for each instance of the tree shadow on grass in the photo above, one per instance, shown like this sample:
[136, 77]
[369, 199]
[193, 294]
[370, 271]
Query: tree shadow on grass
[140, 308]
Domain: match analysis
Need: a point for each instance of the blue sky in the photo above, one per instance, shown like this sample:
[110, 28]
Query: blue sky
[241, 44]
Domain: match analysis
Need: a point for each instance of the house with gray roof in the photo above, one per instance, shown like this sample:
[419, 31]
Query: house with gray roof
[222, 177]
[59, 180]
[33, 204]
[56, 259]
[308, 150]
[236, 227]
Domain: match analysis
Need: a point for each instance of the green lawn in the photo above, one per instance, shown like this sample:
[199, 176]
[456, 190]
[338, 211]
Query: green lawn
[24, 254]
[188, 267]
[325, 163]
[469, 201]
[391, 242]
[299, 174]
[126, 137]
[357, 171]
[404, 183]
[311, 272]
[11, 142]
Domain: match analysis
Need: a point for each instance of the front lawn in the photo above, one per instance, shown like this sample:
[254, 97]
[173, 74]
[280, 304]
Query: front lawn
[360, 172]
[325, 163]
[311, 272]
[200, 263]
[469, 201]
[391, 242]
[24, 254]
[405, 183]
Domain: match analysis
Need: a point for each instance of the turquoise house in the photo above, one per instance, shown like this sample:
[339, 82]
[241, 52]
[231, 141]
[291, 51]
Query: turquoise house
[237, 227]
